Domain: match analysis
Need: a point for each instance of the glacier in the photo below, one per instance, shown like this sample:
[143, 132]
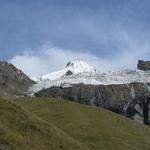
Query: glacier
[81, 72]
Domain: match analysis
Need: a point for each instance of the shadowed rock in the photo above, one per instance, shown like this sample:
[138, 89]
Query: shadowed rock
[143, 65]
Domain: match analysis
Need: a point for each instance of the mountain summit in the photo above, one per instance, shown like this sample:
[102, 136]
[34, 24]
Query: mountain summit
[79, 67]
[72, 68]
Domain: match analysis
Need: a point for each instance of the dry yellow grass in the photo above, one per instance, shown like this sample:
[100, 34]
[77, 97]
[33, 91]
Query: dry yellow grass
[20, 130]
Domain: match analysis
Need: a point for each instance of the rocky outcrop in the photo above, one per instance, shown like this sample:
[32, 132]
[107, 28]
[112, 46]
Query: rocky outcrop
[13, 82]
[139, 108]
[143, 65]
[69, 73]
[123, 99]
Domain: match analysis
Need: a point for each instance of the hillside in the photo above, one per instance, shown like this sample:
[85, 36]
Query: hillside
[94, 127]
[124, 99]
[20, 130]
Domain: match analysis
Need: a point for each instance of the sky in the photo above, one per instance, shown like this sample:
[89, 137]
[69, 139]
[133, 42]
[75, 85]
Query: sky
[41, 36]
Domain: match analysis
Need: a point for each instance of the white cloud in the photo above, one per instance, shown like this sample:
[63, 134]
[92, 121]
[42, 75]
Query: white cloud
[53, 59]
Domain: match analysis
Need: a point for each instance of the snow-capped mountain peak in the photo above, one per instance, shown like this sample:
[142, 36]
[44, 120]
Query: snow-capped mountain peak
[72, 68]
[79, 66]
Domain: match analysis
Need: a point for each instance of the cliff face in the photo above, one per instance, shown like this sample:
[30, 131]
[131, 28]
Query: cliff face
[143, 65]
[122, 99]
[13, 82]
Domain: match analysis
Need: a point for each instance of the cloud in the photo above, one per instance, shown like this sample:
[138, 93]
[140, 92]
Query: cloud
[95, 26]
[52, 59]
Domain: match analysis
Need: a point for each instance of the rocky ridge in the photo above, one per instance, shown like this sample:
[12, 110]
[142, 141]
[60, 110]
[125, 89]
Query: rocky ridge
[13, 82]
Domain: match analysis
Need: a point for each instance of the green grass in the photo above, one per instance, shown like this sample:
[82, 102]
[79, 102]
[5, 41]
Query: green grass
[97, 128]
[21, 130]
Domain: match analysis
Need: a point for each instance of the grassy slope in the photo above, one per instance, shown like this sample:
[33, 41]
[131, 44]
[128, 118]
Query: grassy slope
[97, 128]
[20, 130]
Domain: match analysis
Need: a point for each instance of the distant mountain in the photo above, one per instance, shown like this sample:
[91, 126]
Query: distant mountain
[72, 68]
[13, 82]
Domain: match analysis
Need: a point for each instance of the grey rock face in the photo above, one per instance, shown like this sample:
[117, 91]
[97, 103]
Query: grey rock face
[143, 65]
[123, 99]
[139, 109]
[13, 82]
